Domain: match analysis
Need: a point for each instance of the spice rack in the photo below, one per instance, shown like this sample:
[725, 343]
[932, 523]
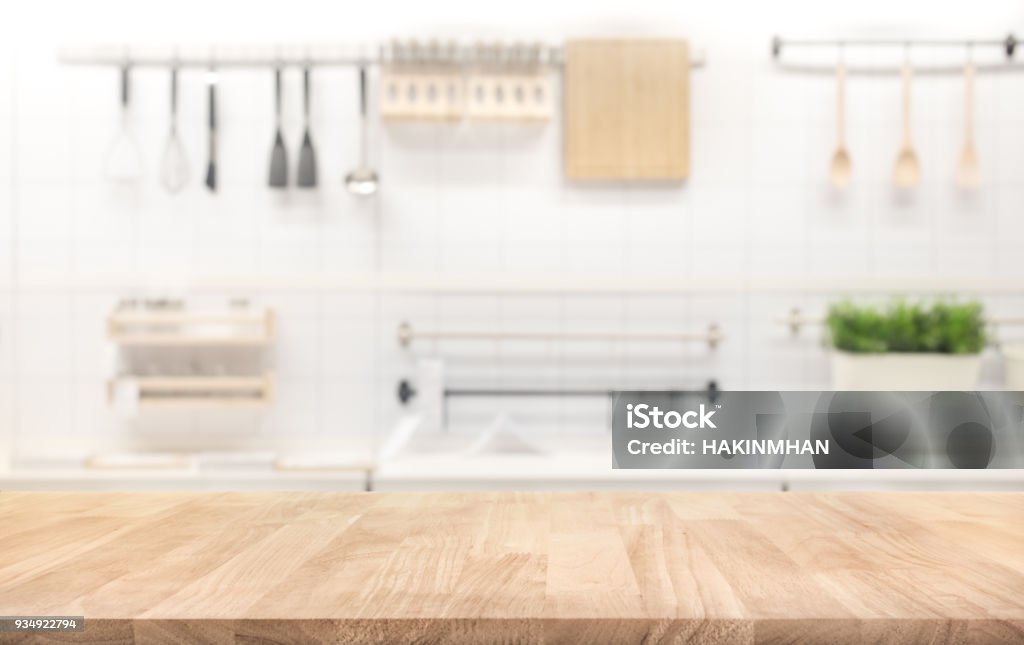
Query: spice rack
[198, 391]
[153, 333]
[499, 81]
[157, 328]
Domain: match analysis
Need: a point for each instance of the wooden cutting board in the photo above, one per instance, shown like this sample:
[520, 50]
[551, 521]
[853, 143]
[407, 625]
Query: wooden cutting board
[627, 110]
[544, 568]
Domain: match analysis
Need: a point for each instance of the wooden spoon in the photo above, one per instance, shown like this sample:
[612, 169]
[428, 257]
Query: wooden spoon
[907, 173]
[841, 167]
[968, 173]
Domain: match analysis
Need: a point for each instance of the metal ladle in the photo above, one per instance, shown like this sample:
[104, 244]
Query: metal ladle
[363, 180]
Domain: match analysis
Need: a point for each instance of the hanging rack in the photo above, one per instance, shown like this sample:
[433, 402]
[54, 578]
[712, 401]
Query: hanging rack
[407, 335]
[1007, 45]
[407, 391]
[410, 52]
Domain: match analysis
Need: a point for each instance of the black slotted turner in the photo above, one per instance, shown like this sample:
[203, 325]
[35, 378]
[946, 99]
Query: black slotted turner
[307, 156]
[278, 155]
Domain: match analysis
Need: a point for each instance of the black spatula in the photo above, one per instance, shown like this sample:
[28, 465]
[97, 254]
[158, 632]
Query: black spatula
[278, 156]
[211, 164]
[307, 157]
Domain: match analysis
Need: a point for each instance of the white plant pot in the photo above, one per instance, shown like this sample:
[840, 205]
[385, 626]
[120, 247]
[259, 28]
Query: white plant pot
[1013, 356]
[905, 371]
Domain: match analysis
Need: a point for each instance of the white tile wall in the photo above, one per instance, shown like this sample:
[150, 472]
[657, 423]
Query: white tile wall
[8, 384]
[474, 199]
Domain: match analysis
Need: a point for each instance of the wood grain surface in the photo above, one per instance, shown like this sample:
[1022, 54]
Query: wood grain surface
[517, 567]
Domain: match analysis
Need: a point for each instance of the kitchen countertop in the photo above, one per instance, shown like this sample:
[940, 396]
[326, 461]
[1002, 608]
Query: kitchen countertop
[521, 567]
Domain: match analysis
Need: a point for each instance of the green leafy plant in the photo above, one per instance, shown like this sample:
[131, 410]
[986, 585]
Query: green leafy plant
[941, 327]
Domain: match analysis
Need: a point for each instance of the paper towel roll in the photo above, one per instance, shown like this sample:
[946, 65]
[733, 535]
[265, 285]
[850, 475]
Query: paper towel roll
[429, 399]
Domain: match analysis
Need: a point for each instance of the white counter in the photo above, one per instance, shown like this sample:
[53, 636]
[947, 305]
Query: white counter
[586, 472]
[184, 480]
[460, 472]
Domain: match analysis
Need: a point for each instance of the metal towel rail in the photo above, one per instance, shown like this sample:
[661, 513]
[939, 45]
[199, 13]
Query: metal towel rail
[796, 320]
[407, 391]
[407, 334]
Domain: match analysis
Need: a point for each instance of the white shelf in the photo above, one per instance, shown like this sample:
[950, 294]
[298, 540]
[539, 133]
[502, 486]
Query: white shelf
[593, 471]
[174, 480]
[172, 471]
[448, 472]
[321, 463]
[550, 472]
[141, 461]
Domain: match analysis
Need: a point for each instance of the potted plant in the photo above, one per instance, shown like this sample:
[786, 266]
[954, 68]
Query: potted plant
[906, 346]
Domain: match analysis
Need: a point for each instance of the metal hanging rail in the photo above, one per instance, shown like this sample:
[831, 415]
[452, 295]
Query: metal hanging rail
[406, 391]
[407, 335]
[796, 320]
[1007, 45]
[409, 52]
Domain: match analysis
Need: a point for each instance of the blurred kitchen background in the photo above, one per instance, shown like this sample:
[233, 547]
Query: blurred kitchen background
[461, 326]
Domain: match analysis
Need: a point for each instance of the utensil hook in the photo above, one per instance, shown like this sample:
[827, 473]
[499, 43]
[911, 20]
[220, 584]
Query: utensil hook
[126, 65]
[906, 93]
[363, 145]
[306, 66]
[969, 91]
[278, 64]
[174, 89]
[211, 58]
[841, 94]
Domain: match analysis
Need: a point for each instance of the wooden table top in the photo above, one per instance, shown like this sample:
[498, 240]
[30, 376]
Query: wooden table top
[520, 567]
